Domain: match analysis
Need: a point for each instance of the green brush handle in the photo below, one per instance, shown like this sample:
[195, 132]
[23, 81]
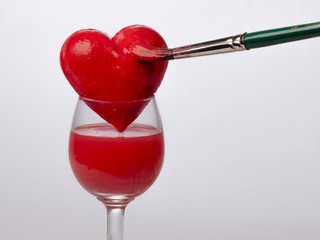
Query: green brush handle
[281, 35]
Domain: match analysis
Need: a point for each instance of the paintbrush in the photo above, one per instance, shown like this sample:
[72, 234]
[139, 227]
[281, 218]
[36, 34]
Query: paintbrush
[240, 42]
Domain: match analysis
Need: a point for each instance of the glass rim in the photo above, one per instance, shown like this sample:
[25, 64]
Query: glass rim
[81, 98]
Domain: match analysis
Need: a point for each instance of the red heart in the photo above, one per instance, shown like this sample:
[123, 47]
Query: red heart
[103, 69]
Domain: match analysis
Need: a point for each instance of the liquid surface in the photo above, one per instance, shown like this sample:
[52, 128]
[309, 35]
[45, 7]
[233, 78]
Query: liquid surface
[108, 162]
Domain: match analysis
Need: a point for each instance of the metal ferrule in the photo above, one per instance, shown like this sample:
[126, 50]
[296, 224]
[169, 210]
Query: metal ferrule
[223, 45]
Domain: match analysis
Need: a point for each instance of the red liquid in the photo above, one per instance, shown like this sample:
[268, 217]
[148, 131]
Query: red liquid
[106, 161]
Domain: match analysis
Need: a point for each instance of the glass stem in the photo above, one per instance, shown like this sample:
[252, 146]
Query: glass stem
[115, 223]
[115, 205]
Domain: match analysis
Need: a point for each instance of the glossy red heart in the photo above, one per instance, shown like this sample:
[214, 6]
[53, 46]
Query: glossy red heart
[103, 69]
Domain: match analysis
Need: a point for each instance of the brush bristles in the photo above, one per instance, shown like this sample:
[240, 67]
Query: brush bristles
[147, 53]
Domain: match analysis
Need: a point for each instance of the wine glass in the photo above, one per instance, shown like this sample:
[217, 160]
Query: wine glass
[116, 166]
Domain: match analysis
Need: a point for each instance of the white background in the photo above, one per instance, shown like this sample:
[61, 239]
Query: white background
[242, 129]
